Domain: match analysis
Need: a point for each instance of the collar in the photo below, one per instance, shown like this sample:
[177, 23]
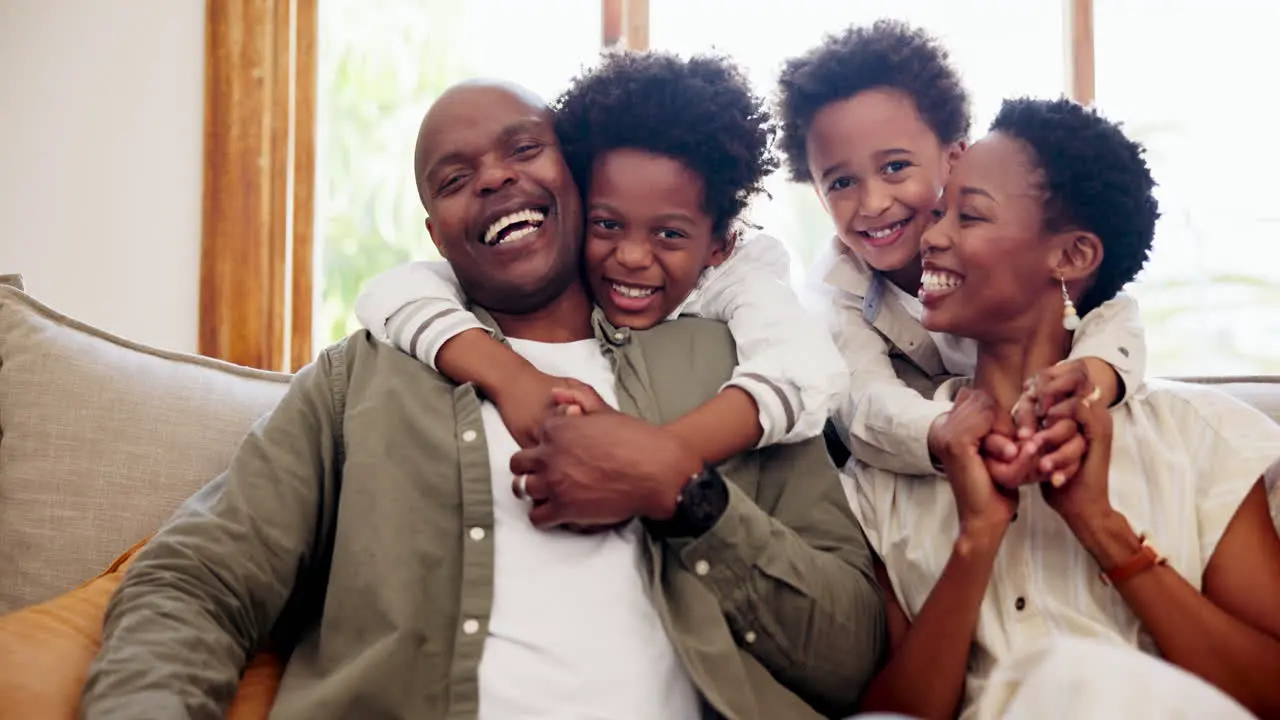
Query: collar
[845, 271]
[606, 332]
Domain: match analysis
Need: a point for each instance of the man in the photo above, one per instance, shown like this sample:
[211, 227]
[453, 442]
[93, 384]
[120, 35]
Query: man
[370, 522]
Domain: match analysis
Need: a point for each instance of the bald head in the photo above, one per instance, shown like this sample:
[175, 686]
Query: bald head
[502, 206]
[458, 103]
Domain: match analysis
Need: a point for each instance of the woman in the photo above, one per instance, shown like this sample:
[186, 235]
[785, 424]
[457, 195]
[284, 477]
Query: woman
[1162, 542]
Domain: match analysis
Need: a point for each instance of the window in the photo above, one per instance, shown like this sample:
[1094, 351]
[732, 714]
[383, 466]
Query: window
[1186, 82]
[346, 81]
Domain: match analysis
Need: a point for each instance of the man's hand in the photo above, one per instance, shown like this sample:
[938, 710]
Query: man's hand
[602, 468]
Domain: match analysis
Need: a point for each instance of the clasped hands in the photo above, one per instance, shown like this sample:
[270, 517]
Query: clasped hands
[1057, 436]
[586, 466]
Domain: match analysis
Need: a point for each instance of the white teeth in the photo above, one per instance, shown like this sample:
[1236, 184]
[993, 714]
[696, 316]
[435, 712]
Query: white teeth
[883, 232]
[939, 281]
[633, 292]
[531, 216]
[515, 235]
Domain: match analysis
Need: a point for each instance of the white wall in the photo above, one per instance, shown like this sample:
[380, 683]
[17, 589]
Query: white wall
[101, 127]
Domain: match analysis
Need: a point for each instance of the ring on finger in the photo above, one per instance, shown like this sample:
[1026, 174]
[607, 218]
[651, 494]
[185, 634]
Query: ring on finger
[522, 487]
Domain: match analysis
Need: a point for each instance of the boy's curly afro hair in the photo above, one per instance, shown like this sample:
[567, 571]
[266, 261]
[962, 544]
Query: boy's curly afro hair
[887, 54]
[1096, 180]
[701, 112]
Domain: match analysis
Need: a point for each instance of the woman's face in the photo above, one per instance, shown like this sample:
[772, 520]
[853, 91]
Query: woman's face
[988, 265]
[648, 236]
[878, 169]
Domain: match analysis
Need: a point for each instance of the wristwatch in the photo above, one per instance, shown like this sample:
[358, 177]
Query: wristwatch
[702, 501]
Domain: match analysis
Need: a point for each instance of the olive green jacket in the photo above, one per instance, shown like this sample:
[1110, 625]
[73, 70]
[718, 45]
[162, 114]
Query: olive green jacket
[355, 525]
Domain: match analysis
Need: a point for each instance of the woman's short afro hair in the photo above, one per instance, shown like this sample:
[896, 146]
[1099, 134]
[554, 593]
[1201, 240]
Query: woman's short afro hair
[1096, 180]
[887, 54]
[700, 111]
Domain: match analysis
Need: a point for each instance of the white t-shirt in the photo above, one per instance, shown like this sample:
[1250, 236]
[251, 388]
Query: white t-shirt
[572, 633]
[1183, 457]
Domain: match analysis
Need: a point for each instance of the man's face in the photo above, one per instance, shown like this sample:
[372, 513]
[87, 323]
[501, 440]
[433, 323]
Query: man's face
[503, 208]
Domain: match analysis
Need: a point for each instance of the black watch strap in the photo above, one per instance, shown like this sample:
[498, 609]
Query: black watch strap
[701, 504]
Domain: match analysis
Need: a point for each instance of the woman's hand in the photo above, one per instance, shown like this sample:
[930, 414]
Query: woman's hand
[960, 435]
[1084, 497]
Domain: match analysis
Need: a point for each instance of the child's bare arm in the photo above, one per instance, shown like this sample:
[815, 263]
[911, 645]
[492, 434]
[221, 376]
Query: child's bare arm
[724, 426]
[419, 308]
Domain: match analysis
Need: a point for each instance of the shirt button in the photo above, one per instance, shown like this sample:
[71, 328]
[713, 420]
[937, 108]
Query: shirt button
[468, 436]
[749, 636]
[477, 533]
[619, 336]
[1020, 604]
[702, 567]
[471, 627]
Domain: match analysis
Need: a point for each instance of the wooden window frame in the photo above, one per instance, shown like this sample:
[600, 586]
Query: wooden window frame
[256, 266]
[257, 270]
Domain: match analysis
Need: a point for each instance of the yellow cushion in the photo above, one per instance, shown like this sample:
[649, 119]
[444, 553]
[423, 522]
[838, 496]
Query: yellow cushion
[46, 649]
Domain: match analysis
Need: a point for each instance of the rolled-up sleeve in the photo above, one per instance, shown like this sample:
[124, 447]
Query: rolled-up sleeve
[786, 360]
[1113, 333]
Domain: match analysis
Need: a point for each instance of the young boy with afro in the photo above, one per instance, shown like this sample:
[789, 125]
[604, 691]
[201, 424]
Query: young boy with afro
[874, 117]
[667, 153]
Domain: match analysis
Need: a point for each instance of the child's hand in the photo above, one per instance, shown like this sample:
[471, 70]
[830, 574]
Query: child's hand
[1056, 436]
[578, 398]
[525, 401]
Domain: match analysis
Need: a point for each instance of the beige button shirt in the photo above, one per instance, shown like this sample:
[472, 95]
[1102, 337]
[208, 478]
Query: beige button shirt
[1183, 459]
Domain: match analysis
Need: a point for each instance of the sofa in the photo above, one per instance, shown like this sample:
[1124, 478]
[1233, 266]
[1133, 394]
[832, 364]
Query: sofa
[101, 438]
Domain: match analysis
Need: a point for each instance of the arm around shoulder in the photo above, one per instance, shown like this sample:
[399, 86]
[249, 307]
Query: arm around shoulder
[1113, 333]
[787, 362]
[207, 589]
[886, 424]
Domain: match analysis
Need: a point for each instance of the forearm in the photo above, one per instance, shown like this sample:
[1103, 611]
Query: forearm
[803, 607]
[474, 356]
[172, 648]
[926, 675]
[724, 426]
[1190, 630]
[1106, 379]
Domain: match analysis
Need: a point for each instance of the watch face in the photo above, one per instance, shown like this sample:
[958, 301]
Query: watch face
[704, 499]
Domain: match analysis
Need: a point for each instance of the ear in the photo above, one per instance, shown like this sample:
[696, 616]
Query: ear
[722, 247]
[1076, 256]
[431, 230]
[954, 151]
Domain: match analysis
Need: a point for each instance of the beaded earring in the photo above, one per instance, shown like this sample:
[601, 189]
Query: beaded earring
[1070, 320]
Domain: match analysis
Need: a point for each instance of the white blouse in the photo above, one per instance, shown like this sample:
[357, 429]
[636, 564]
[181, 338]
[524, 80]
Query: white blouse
[1183, 458]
